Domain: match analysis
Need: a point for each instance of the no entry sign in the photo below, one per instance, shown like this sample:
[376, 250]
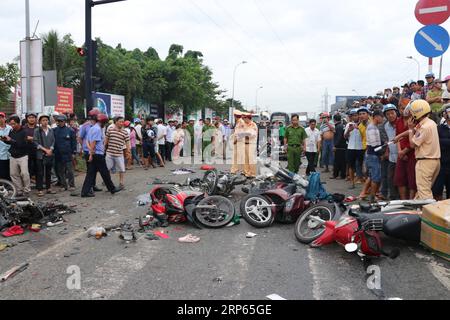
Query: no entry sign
[432, 11]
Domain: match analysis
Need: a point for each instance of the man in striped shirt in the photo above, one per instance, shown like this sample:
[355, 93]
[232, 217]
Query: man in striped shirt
[117, 139]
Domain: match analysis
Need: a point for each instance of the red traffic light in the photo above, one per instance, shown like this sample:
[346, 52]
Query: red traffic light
[81, 52]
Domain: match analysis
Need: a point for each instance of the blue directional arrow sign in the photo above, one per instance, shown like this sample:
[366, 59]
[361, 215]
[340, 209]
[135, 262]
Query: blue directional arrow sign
[432, 41]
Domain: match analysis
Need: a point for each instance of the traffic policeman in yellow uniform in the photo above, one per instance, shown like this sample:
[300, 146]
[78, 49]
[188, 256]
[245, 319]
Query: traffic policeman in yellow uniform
[294, 140]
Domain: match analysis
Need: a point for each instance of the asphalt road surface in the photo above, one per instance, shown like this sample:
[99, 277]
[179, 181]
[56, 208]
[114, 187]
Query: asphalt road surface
[223, 265]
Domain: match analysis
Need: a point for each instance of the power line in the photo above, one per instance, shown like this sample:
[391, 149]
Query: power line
[212, 20]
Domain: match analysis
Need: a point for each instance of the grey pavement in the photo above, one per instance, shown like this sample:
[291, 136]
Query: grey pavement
[223, 265]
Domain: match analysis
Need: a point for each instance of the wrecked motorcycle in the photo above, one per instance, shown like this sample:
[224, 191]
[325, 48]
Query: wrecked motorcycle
[284, 203]
[216, 182]
[358, 227]
[7, 189]
[171, 204]
[307, 228]
[25, 211]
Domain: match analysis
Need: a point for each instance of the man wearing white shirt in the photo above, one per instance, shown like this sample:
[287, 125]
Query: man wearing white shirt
[198, 137]
[169, 139]
[161, 137]
[312, 143]
[355, 149]
[138, 127]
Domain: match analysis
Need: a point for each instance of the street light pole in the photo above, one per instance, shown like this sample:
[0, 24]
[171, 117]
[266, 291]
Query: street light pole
[234, 85]
[418, 65]
[29, 105]
[88, 67]
[256, 104]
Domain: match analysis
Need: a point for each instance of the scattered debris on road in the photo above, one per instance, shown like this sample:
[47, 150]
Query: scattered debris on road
[251, 235]
[12, 272]
[97, 232]
[189, 239]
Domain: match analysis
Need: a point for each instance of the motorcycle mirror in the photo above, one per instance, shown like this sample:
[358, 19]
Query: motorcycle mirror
[351, 247]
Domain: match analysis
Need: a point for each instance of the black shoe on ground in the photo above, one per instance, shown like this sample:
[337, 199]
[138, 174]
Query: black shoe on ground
[97, 189]
[116, 190]
[89, 195]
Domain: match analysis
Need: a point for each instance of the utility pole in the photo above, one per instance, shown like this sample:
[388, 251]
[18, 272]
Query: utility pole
[88, 67]
[28, 56]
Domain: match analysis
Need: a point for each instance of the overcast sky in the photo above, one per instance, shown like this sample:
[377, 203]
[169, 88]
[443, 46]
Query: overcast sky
[295, 48]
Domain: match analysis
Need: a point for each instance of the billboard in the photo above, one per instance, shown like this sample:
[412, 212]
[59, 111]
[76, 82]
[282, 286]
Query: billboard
[109, 104]
[64, 100]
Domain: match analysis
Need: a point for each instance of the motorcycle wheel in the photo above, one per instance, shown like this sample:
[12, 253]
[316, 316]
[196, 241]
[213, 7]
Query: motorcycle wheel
[255, 216]
[7, 189]
[215, 218]
[210, 180]
[306, 230]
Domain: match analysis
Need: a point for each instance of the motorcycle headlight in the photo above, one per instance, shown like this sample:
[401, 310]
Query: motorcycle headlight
[290, 204]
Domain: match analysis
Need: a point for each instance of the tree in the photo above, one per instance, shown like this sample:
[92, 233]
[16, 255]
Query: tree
[9, 77]
[175, 51]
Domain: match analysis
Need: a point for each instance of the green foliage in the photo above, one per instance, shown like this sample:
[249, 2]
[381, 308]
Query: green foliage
[181, 81]
[9, 76]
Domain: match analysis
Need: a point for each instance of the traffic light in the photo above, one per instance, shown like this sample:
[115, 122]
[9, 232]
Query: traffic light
[81, 52]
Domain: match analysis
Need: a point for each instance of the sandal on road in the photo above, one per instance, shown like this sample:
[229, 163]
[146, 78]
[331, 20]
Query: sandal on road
[189, 239]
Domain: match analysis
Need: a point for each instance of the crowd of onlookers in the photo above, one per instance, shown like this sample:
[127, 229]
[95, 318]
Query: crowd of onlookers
[45, 150]
[396, 143]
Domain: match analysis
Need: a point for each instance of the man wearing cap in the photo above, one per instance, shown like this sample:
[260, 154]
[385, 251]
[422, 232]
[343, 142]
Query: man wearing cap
[424, 138]
[83, 133]
[238, 148]
[44, 140]
[294, 142]
[65, 150]
[18, 162]
[97, 162]
[5, 129]
[190, 136]
[250, 131]
[430, 78]
[29, 127]
[443, 180]
[373, 164]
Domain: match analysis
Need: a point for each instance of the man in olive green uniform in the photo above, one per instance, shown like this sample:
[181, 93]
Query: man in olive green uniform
[190, 130]
[208, 134]
[294, 141]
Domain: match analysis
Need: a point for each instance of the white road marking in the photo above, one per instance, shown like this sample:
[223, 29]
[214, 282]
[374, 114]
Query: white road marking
[107, 280]
[322, 278]
[438, 270]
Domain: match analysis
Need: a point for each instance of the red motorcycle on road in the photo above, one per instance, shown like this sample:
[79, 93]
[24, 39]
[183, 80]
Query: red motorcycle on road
[358, 227]
[172, 205]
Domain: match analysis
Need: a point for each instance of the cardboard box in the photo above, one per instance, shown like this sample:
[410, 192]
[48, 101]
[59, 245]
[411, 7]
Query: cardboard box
[436, 228]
